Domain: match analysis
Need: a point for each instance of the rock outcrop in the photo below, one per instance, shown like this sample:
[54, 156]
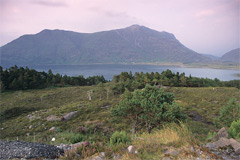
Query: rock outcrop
[65, 117]
[222, 133]
[28, 150]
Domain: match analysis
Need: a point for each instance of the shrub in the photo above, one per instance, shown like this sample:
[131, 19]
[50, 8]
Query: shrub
[211, 135]
[58, 129]
[119, 138]
[151, 106]
[77, 138]
[88, 149]
[234, 130]
[230, 113]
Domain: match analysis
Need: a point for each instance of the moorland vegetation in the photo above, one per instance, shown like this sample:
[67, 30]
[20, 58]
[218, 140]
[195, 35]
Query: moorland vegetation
[150, 111]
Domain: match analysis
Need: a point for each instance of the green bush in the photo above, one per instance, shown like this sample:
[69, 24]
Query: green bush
[119, 138]
[230, 113]
[69, 137]
[234, 130]
[211, 135]
[77, 138]
[58, 129]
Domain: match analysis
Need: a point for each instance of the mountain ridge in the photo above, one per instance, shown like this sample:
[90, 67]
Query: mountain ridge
[231, 56]
[133, 44]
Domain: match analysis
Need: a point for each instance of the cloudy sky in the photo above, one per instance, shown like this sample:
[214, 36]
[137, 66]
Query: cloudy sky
[205, 26]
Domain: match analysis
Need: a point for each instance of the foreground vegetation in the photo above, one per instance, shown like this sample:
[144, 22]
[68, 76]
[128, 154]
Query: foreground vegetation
[132, 109]
[22, 109]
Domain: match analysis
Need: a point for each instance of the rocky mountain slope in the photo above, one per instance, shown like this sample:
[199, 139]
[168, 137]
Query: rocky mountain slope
[134, 44]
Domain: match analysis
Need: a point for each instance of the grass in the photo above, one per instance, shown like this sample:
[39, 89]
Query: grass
[16, 106]
[171, 137]
[24, 112]
[203, 103]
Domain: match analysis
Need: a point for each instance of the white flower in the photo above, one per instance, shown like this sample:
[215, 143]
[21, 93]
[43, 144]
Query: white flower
[53, 139]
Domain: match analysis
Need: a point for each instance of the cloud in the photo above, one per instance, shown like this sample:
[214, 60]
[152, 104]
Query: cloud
[205, 13]
[49, 3]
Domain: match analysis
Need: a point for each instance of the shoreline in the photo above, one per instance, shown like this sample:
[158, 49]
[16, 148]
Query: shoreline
[177, 64]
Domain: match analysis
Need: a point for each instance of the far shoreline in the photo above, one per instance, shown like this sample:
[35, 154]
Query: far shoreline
[168, 64]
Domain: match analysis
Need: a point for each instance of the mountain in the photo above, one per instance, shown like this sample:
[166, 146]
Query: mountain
[132, 44]
[232, 56]
[210, 56]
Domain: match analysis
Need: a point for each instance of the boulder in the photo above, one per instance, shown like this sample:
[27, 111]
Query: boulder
[171, 152]
[69, 115]
[235, 145]
[53, 118]
[222, 133]
[64, 147]
[105, 107]
[53, 129]
[131, 149]
[222, 142]
[79, 144]
[101, 156]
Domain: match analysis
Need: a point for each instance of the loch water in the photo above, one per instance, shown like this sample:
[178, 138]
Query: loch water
[109, 70]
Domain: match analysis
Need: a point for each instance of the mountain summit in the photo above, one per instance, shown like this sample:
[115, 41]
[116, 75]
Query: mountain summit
[134, 44]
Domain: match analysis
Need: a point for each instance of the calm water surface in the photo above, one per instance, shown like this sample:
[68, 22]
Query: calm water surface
[108, 70]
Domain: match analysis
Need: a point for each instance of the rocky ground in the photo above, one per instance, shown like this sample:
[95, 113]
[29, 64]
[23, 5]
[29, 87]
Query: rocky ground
[28, 150]
[220, 148]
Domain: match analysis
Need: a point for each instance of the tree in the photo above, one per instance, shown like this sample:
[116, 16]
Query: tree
[151, 105]
[158, 107]
[183, 81]
[128, 107]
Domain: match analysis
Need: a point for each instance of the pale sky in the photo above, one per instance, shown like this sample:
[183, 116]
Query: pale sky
[205, 26]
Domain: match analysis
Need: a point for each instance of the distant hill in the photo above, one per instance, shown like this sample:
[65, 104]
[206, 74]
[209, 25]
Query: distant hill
[232, 56]
[132, 44]
[211, 56]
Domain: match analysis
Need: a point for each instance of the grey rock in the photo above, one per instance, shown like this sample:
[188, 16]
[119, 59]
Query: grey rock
[103, 154]
[64, 147]
[53, 129]
[222, 142]
[222, 133]
[105, 107]
[53, 118]
[116, 157]
[228, 149]
[69, 115]
[192, 149]
[235, 145]
[171, 152]
[28, 150]
[131, 149]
